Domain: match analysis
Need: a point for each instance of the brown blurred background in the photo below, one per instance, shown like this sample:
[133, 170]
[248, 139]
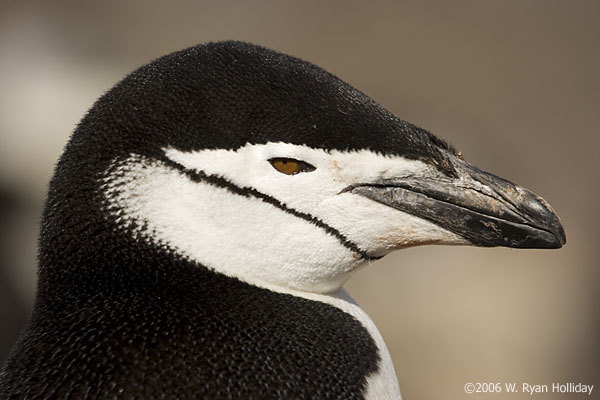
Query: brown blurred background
[514, 84]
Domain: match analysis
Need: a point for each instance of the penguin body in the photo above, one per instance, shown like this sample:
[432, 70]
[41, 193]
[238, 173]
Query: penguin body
[201, 335]
[205, 215]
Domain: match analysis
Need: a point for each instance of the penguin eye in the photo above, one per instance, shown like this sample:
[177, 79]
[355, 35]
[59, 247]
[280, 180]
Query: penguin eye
[289, 166]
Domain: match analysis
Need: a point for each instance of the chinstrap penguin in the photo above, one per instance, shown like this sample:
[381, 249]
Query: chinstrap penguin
[203, 219]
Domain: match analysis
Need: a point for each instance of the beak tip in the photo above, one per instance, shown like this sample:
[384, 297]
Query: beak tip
[555, 227]
[553, 238]
[540, 214]
[561, 236]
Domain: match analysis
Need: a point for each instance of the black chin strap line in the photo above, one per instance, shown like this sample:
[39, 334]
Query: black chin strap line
[200, 176]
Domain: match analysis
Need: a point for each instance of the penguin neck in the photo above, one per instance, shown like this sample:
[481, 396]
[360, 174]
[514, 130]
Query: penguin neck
[133, 272]
[84, 255]
[109, 263]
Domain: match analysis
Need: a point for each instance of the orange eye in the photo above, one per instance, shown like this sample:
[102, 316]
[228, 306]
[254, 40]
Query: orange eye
[289, 166]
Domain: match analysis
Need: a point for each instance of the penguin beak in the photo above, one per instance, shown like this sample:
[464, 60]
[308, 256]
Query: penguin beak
[481, 207]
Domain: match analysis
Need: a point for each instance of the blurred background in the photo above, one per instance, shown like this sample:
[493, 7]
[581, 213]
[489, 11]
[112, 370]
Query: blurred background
[513, 84]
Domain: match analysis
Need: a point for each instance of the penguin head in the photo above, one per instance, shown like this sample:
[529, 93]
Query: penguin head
[266, 168]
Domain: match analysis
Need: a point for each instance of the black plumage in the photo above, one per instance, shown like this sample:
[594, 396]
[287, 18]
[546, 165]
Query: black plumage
[118, 316]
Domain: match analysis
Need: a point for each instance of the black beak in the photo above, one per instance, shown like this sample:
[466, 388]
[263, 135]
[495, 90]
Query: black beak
[481, 207]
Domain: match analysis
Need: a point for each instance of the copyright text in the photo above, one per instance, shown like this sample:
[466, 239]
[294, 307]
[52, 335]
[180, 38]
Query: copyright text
[529, 388]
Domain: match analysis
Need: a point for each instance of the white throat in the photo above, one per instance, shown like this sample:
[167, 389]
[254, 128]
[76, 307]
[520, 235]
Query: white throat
[239, 236]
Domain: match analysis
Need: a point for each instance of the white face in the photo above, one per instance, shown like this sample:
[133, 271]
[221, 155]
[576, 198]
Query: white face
[280, 231]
